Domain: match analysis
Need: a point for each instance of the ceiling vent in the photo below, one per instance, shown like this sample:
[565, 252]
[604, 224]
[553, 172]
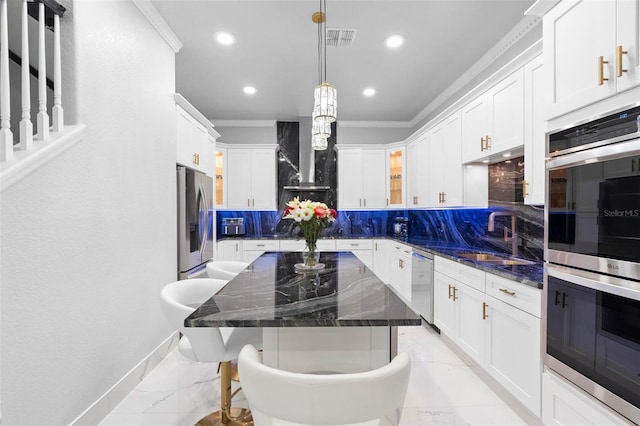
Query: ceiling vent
[340, 37]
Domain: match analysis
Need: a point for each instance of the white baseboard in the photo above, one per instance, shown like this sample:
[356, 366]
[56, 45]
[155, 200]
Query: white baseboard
[93, 415]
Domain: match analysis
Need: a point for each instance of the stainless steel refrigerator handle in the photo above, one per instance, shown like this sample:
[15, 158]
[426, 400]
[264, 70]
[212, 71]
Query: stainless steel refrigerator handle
[203, 203]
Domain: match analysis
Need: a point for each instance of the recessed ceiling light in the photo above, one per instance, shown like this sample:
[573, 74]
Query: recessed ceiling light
[394, 41]
[224, 38]
[369, 91]
[506, 155]
[485, 161]
[249, 90]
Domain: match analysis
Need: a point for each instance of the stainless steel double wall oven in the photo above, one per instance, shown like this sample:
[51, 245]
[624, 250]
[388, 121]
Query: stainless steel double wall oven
[592, 273]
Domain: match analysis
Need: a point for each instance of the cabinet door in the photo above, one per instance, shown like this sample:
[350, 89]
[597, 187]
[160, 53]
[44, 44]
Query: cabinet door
[437, 150]
[350, 179]
[263, 179]
[576, 34]
[229, 250]
[373, 177]
[469, 322]
[512, 351]
[534, 132]
[396, 177]
[205, 147]
[239, 179]
[443, 304]
[221, 173]
[381, 260]
[452, 173]
[506, 113]
[475, 118]
[418, 173]
[628, 40]
[187, 148]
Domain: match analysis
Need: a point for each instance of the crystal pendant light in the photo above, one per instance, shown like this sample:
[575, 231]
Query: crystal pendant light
[325, 96]
[320, 132]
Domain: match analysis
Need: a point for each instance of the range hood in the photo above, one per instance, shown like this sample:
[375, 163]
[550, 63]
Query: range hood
[307, 170]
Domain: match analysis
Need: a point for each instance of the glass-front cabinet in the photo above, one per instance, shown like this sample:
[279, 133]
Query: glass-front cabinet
[396, 177]
[221, 193]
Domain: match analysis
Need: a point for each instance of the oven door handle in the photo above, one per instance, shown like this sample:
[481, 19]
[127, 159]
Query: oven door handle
[614, 151]
[608, 284]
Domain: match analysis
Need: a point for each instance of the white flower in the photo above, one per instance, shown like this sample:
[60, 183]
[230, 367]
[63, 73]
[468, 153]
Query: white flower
[307, 213]
[297, 215]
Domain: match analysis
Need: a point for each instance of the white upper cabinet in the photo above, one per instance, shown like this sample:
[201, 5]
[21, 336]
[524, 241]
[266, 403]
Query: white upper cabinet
[195, 146]
[534, 132]
[418, 172]
[475, 128]
[591, 51]
[361, 178]
[445, 167]
[494, 121]
[251, 178]
[506, 114]
[396, 177]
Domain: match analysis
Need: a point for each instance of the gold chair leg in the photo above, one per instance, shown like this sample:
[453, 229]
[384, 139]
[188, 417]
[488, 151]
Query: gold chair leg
[227, 415]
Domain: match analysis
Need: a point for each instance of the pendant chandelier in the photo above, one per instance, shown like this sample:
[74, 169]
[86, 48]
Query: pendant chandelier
[325, 96]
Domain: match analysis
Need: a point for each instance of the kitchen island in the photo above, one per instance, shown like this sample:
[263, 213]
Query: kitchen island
[340, 318]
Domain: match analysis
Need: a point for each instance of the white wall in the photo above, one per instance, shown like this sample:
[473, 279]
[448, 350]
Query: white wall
[371, 135]
[248, 134]
[89, 239]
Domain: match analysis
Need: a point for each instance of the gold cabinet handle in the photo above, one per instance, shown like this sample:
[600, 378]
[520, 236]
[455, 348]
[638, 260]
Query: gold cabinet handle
[601, 77]
[486, 140]
[525, 194]
[481, 144]
[510, 293]
[484, 311]
[455, 297]
[196, 159]
[619, 53]
[450, 291]
[365, 202]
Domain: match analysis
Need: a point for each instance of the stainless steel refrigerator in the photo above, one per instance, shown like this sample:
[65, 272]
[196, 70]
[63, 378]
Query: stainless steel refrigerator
[195, 222]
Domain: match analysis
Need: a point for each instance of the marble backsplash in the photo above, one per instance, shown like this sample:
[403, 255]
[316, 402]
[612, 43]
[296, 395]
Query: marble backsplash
[452, 227]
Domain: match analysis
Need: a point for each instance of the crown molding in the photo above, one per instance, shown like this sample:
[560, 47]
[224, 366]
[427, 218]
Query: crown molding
[157, 21]
[387, 124]
[540, 7]
[244, 123]
[520, 30]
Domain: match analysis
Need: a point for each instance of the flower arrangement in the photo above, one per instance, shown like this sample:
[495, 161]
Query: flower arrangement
[313, 217]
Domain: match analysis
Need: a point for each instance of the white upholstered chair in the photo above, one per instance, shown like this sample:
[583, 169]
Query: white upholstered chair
[207, 344]
[225, 269]
[280, 397]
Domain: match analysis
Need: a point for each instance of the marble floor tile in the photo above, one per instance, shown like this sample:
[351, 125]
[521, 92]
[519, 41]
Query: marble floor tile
[443, 390]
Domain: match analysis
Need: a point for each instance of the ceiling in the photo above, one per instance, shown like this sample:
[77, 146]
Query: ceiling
[276, 52]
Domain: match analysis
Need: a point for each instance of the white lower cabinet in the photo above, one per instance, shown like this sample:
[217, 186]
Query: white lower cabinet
[564, 404]
[362, 248]
[381, 259]
[501, 334]
[512, 351]
[252, 249]
[229, 250]
[400, 269]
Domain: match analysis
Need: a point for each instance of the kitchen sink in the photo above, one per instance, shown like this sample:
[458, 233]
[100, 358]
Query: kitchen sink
[491, 259]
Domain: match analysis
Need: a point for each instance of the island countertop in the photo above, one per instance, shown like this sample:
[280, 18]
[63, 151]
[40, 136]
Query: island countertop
[271, 293]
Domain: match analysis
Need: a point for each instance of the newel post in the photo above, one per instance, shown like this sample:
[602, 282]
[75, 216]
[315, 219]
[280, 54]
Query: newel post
[6, 136]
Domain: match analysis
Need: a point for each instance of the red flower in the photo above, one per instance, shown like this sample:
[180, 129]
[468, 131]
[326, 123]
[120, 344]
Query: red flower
[288, 210]
[333, 213]
[320, 212]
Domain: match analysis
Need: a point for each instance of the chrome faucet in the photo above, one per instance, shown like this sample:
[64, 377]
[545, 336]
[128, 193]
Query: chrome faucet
[514, 229]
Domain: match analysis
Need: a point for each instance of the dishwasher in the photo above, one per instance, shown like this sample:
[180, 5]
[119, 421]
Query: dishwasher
[422, 284]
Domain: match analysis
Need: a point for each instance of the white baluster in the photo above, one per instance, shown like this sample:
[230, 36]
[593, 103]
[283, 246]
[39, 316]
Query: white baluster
[43, 117]
[58, 112]
[6, 136]
[26, 126]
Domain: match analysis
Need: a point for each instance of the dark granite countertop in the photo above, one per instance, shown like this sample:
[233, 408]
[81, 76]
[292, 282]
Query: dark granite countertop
[270, 293]
[531, 275]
